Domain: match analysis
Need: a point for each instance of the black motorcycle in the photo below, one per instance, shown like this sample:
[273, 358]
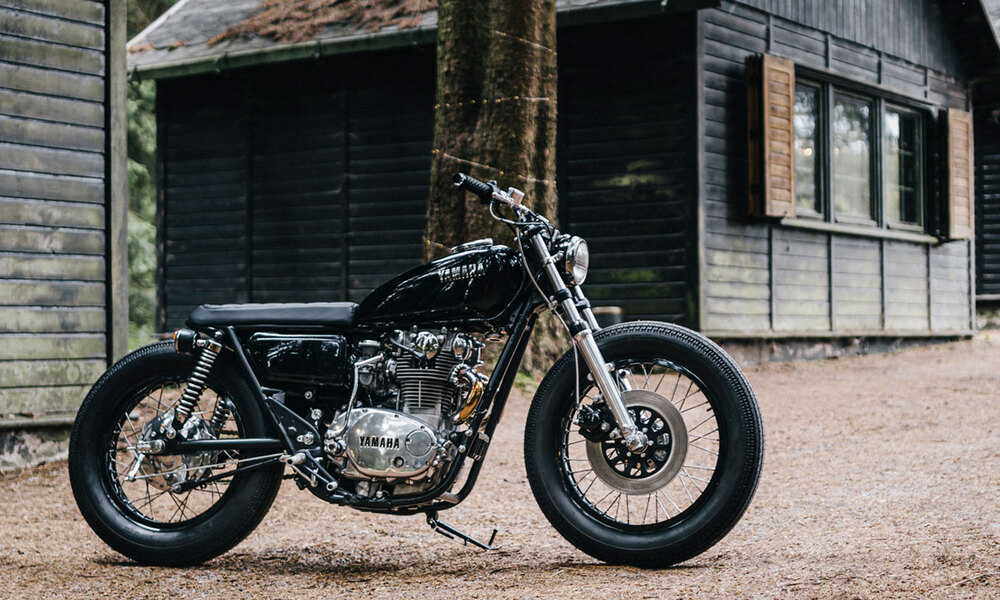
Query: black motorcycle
[643, 443]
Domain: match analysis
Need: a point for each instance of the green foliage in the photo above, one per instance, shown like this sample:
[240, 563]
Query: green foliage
[141, 102]
[141, 13]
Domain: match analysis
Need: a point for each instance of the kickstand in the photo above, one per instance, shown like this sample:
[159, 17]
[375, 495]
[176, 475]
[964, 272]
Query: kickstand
[451, 533]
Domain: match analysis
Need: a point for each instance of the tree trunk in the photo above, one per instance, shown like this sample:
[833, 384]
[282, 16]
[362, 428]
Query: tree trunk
[495, 119]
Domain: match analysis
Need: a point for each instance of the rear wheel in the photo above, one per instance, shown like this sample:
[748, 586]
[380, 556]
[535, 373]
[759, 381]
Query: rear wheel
[687, 489]
[152, 508]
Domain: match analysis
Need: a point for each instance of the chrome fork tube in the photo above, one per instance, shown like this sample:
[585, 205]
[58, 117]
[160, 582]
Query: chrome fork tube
[634, 439]
[588, 313]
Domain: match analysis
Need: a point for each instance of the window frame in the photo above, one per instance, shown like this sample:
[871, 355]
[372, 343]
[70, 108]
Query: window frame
[819, 185]
[879, 98]
[874, 151]
[921, 176]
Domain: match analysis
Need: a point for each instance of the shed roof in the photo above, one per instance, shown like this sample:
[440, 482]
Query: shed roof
[191, 37]
[185, 39]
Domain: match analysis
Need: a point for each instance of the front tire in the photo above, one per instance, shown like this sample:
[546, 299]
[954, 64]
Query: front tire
[128, 500]
[686, 492]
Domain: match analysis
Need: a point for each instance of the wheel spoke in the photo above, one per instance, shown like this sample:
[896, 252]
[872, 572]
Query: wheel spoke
[631, 474]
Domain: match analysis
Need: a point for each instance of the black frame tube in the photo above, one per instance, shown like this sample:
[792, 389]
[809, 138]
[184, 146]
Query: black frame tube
[184, 446]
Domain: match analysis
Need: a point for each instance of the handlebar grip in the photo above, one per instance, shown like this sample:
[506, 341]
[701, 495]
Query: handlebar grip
[483, 190]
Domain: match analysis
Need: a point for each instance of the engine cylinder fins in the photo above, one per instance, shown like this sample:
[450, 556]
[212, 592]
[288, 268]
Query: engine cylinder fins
[427, 388]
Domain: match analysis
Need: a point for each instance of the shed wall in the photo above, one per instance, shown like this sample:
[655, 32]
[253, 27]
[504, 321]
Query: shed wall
[767, 278]
[54, 215]
[987, 128]
[308, 182]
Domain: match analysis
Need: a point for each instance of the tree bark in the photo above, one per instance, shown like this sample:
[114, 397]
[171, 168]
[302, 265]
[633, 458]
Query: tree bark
[495, 119]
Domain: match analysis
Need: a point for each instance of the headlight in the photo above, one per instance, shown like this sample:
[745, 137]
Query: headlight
[577, 259]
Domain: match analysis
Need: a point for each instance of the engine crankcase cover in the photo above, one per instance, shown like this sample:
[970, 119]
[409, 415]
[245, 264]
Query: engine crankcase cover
[386, 443]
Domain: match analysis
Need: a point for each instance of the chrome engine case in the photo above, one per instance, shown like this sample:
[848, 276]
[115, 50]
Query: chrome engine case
[383, 443]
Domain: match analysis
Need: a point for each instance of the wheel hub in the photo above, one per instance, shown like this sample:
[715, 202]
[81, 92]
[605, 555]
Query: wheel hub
[172, 470]
[649, 470]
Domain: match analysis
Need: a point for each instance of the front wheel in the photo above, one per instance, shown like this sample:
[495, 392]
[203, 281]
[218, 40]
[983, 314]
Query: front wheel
[169, 509]
[687, 489]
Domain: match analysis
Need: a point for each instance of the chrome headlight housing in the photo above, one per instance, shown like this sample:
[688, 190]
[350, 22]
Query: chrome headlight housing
[577, 260]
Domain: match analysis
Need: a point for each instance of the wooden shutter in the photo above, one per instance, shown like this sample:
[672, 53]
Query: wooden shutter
[959, 157]
[770, 107]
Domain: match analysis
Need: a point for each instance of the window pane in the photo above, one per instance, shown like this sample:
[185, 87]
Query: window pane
[902, 167]
[851, 133]
[807, 148]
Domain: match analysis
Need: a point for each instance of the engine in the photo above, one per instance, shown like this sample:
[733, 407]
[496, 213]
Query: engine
[415, 390]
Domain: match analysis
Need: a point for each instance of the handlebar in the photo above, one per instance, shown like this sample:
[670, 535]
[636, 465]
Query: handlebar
[483, 190]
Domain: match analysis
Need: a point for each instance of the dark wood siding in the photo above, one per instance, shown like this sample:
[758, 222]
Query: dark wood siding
[53, 243]
[309, 181]
[204, 149]
[626, 179]
[761, 277]
[391, 124]
[987, 132]
[302, 183]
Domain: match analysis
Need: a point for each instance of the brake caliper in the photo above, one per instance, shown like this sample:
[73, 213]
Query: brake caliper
[596, 422]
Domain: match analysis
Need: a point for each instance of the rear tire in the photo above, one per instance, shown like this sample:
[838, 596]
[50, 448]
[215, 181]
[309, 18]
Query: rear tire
[96, 461]
[704, 505]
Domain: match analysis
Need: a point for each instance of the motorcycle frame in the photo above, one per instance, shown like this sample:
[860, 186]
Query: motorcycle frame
[562, 297]
[527, 306]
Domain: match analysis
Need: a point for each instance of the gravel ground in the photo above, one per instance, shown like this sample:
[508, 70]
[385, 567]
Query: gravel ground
[882, 480]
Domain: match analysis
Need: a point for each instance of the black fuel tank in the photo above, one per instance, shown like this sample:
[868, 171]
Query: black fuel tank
[471, 287]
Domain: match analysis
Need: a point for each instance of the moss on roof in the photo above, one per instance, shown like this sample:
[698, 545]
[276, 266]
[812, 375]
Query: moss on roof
[302, 20]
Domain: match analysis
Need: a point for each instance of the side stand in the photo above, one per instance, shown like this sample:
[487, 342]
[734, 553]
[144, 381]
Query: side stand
[451, 533]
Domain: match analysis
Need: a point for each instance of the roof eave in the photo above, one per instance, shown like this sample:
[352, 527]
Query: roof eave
[614, 9]
[285, 52]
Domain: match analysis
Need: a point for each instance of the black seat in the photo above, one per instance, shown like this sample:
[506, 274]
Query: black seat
[329, 314]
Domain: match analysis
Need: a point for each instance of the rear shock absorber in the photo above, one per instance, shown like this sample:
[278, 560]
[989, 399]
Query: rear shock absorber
[220, 414]
[196, 381]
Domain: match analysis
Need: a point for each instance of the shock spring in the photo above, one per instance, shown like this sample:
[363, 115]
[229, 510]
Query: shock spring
[196, 382]
[219, 415]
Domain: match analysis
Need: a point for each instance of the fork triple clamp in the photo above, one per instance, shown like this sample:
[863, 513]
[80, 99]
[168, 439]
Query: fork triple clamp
[451, 533]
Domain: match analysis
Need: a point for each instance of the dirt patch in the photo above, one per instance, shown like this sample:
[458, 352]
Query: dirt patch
[882, 480]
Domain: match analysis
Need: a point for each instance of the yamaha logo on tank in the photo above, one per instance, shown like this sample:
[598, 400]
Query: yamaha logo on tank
[461, 272]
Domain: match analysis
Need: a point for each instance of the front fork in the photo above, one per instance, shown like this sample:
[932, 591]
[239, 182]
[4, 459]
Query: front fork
[582, 329]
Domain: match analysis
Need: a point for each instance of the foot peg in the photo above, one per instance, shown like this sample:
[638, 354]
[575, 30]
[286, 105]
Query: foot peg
[451, 533]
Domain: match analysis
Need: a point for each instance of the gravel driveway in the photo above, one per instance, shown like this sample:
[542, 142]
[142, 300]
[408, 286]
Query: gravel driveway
[882, 480]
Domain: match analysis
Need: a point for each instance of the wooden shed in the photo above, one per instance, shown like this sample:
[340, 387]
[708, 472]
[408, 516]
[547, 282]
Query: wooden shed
[63, 206]
[755, 169]
[987, 124]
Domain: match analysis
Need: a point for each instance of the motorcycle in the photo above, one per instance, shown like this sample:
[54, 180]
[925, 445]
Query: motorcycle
[643, 444]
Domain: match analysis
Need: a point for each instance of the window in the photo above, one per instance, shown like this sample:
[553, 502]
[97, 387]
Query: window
[903, 166]
[858, 159]
[807, 146]
[852, 177]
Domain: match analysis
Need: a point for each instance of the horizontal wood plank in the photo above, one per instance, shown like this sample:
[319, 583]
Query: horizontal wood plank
[18, 157]
[55, 83]
[52, 320]
[19, 211]
[54, 56]
[36, 400]
[24, 373]
[88, 11]
[44, 186]
[46, 346]
[25, 238]
[49, 29]
[48, 266]
[51, 135]
[63, 293]
[49, 108]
